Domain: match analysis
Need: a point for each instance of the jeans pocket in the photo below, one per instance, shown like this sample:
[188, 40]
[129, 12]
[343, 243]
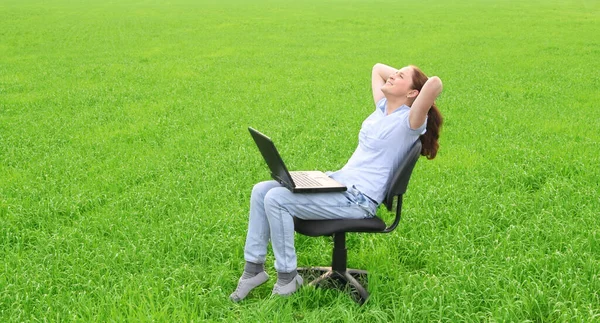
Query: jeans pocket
[359, 199]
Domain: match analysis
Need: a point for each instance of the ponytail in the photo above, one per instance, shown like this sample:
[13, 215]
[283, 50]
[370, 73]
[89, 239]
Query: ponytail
[429, 140]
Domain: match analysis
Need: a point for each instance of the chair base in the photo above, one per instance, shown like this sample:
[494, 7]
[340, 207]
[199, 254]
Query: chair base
[330, 278]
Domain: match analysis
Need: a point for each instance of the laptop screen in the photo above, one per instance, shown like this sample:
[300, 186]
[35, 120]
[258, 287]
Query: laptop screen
[272, 157]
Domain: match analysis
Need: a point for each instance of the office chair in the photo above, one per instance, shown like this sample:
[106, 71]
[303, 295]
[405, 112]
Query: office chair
[338, 272]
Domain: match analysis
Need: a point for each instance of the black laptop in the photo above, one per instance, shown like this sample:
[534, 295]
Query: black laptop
[297, 182]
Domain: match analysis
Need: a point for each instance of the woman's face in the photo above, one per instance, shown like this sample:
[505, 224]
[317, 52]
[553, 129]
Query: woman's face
[399, 83]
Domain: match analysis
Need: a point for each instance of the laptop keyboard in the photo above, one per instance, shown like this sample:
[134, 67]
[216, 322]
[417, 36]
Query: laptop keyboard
[301, 179]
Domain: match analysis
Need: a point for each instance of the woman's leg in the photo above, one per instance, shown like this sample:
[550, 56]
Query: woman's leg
[258, 235]
[257, 239]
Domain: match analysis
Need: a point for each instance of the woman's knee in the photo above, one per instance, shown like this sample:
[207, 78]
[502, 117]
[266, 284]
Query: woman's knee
[260, 189]
[276, 196]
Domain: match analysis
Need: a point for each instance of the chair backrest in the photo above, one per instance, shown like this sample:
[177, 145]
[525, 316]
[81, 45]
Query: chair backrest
[400, 180]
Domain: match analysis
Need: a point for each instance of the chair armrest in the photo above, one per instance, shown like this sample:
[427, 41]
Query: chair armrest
[397, 218]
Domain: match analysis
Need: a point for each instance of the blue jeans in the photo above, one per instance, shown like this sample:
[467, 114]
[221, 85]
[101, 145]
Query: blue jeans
[272, 208]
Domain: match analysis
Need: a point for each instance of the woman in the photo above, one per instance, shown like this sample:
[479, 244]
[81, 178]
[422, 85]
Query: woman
[405, 112]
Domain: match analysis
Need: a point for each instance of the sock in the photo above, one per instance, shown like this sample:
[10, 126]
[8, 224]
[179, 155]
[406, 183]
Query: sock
[286, 278]
[251, 269]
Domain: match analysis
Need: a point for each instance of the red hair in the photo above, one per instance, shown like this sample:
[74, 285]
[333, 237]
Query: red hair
[429, 140]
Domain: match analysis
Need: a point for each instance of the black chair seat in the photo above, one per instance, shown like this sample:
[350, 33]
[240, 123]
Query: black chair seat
[317, 228]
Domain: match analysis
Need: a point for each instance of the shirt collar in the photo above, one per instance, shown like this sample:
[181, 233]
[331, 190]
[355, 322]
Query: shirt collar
[383, 107]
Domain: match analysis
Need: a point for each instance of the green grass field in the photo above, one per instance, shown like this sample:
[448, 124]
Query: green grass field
[126, 165]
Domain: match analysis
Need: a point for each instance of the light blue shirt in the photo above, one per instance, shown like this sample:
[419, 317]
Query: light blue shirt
[383, 141]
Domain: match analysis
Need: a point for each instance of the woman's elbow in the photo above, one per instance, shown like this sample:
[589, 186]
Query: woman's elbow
[436, 83]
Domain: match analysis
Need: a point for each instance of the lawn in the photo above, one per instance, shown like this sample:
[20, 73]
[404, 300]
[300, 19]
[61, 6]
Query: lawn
[126, 165]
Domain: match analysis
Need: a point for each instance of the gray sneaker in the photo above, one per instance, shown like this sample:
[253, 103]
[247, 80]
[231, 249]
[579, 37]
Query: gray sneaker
[246, 285]
[290, 288]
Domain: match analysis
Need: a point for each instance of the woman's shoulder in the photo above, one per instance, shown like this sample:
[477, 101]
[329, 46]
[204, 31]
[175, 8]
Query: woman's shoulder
[402, 122]
[381, 104]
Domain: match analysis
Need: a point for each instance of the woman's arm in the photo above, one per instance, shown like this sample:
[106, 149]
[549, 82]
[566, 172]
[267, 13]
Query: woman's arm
[379, 76]
[425, 99]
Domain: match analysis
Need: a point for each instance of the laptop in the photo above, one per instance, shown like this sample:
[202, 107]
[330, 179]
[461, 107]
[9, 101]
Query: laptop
[297, 182]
